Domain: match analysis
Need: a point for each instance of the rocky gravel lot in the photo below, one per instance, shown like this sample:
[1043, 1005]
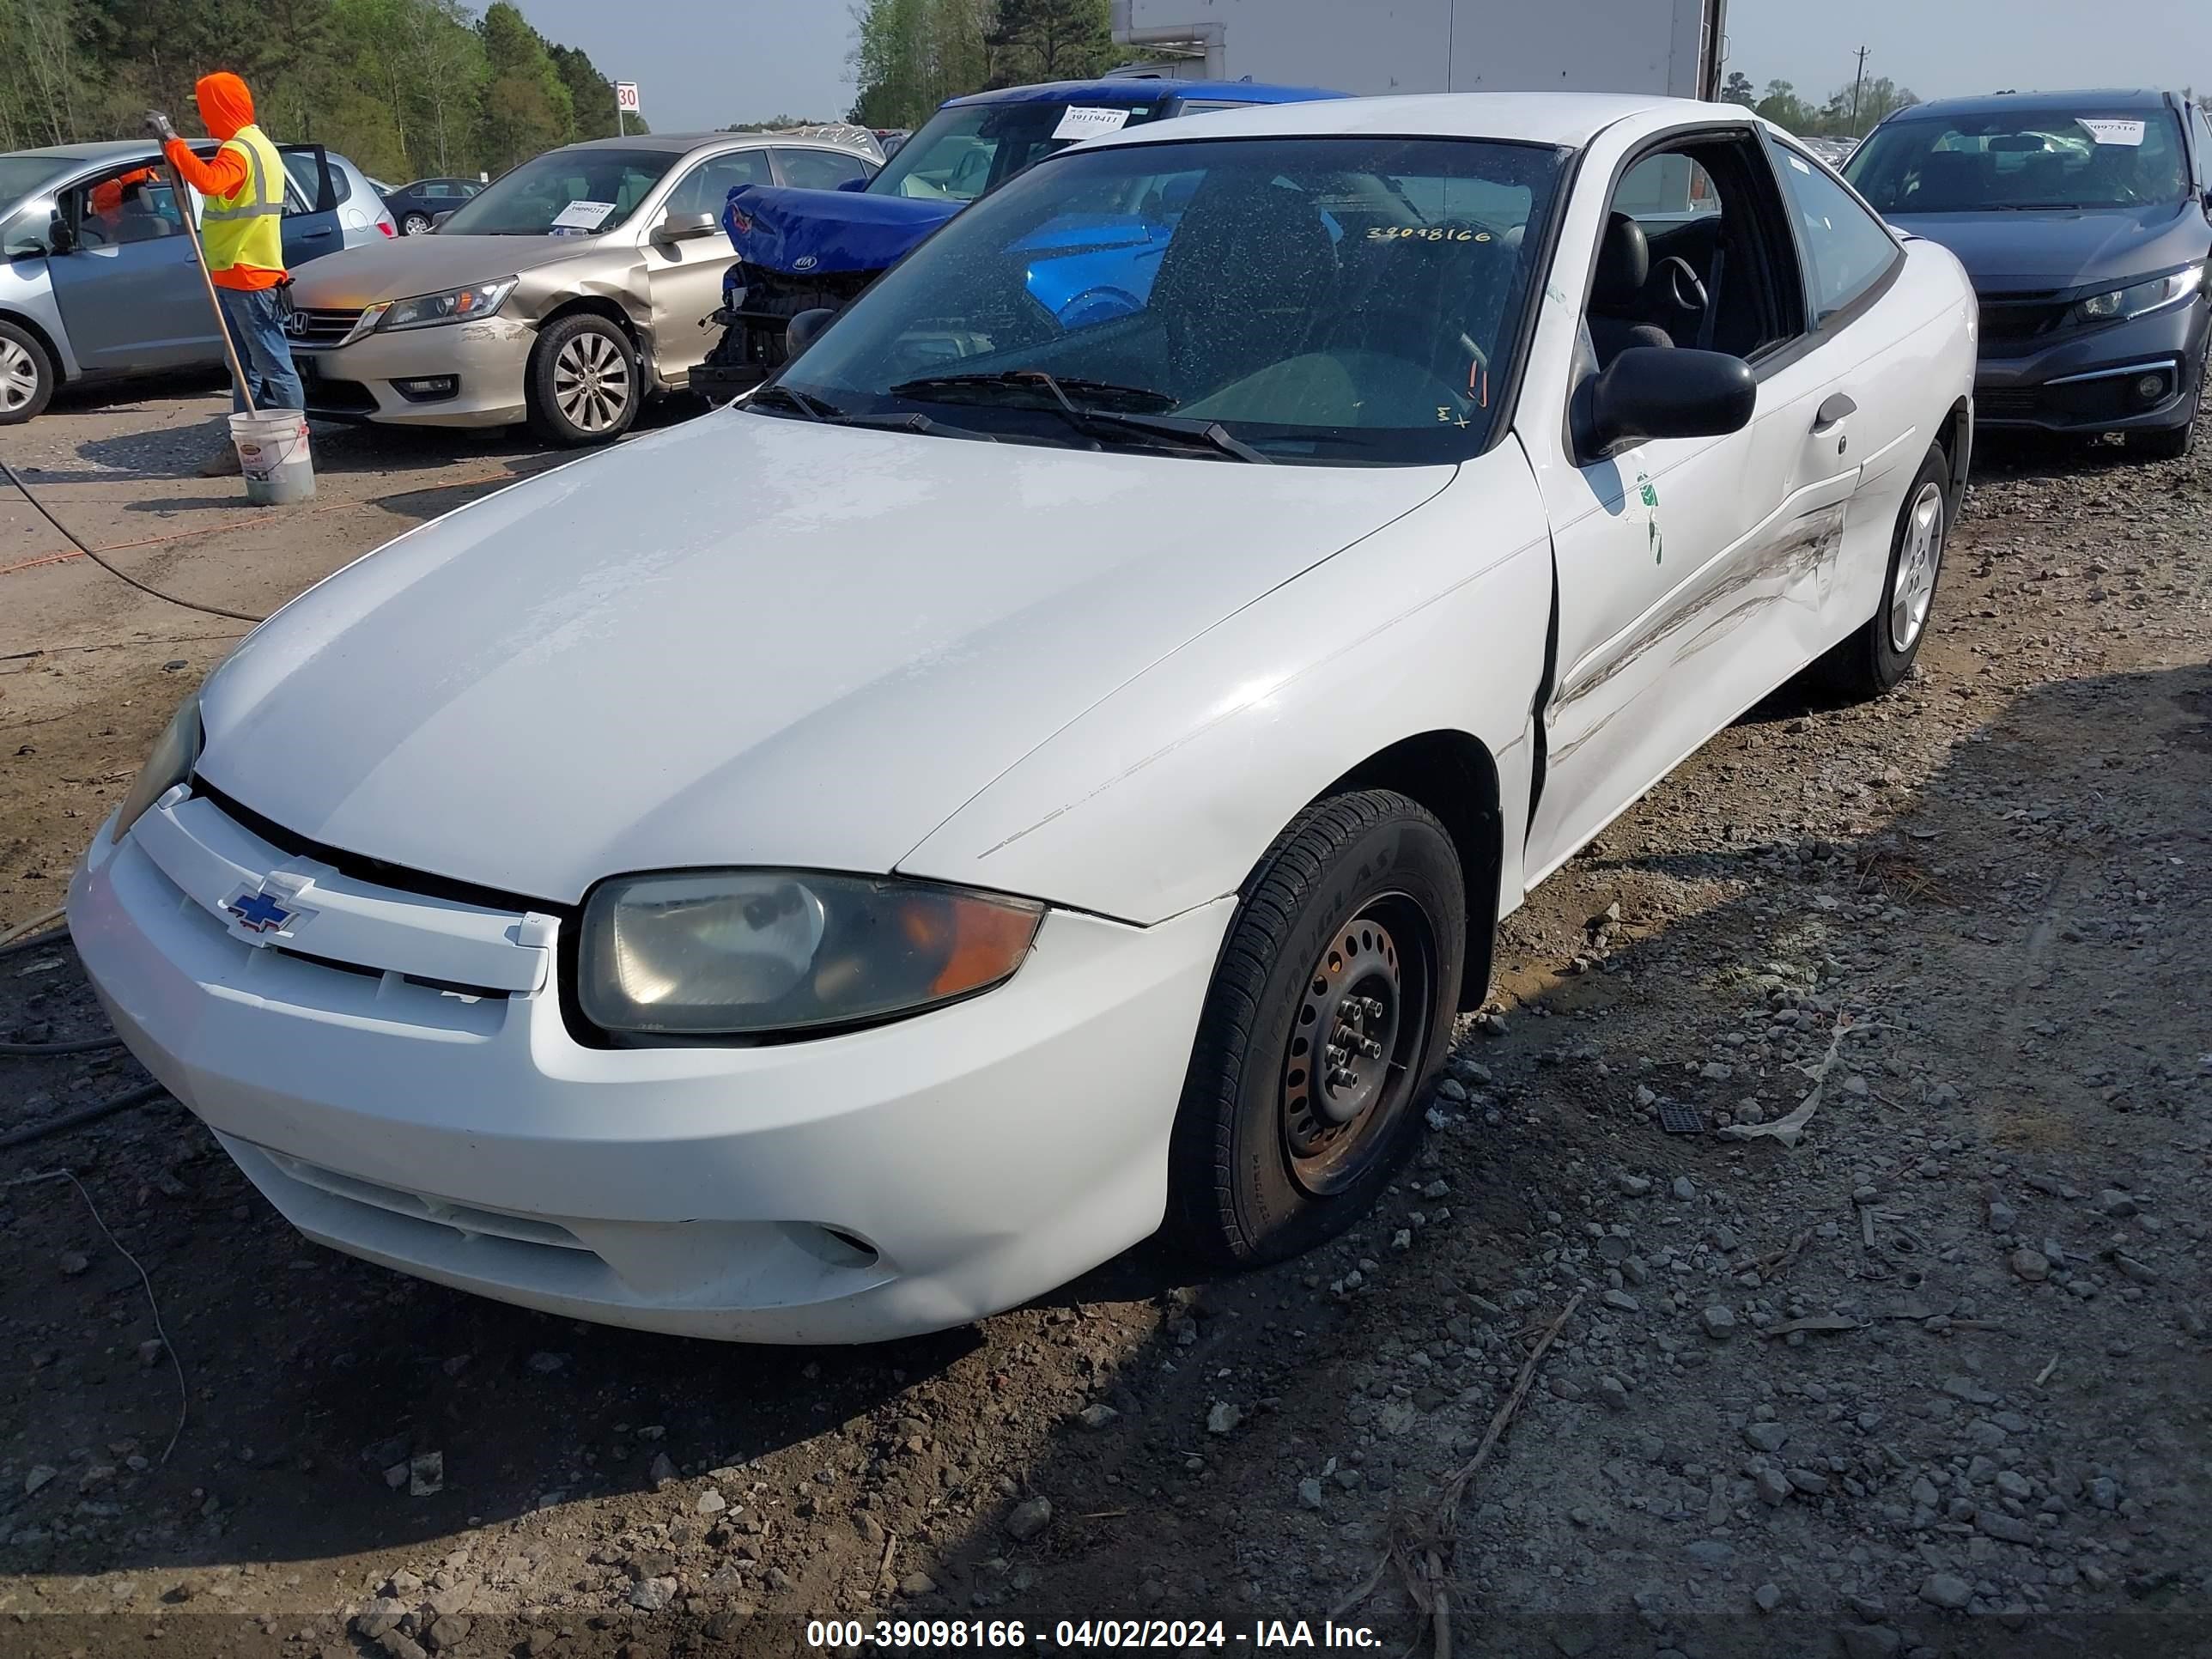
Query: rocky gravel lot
[1925, 1372]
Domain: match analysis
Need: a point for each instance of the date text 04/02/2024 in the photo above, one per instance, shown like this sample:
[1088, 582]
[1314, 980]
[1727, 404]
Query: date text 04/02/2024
[1172, 1634]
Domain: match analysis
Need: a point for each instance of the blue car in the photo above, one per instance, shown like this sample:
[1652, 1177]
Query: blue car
[802, 250]
[2084, 220]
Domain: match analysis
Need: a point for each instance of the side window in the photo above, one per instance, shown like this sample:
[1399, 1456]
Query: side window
[307, 181]
[820, 169]
[2203, 148]
[109, 212]
[708, 186]
[1847, 250]
[1695, 251]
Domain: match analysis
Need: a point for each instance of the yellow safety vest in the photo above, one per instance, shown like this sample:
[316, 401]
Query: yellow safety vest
[246, 228]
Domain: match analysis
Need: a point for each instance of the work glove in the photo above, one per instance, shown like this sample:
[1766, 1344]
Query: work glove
[157, 123]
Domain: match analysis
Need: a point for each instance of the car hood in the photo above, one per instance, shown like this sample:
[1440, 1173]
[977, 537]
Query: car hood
[747, 640]
[2021, 252]
[826, 232]
[397, 268]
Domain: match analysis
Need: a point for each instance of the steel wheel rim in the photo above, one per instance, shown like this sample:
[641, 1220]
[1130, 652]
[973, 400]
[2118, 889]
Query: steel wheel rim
[1917, 564]
[18, 377]
[1362, 1024]
[590, 383]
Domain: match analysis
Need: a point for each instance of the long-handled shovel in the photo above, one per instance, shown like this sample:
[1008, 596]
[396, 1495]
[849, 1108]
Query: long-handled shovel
[158, 123]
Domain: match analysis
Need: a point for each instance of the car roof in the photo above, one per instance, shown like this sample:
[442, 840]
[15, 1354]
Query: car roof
[1567, 120]
[2112, 99]
[683, 143]
[108, 149]
[1138, 89]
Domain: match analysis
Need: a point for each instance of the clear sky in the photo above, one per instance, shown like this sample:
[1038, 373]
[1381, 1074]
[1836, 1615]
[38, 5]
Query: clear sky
[709, 63]
[1943, 48]
[701, 64]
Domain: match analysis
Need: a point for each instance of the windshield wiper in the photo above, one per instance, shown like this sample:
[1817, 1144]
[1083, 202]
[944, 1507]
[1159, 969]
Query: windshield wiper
[1132, 396]
[805, 403]
[817, 409]
[1088, 421]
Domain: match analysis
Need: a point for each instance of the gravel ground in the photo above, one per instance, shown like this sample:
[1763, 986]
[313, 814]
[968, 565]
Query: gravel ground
[1932, 1380]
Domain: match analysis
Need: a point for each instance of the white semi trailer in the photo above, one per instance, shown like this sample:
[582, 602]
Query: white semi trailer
[1669, 46]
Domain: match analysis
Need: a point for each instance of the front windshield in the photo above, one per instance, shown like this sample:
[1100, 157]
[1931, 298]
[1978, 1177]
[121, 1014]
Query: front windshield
[1339, 301]
[2020, 159]
[565, 192]
[964, 151]
[25, 175]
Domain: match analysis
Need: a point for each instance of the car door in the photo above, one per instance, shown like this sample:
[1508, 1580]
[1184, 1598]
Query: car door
[1846, 434]
[684, 262]
[1667, 553]
[312, 225]
[126, 285]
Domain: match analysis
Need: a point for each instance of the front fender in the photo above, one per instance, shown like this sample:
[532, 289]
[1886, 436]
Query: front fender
[1164, 796]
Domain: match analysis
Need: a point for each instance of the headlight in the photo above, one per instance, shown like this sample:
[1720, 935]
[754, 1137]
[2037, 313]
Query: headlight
[2138, 297]
[175, 753]
[455, 304]
[746, 952]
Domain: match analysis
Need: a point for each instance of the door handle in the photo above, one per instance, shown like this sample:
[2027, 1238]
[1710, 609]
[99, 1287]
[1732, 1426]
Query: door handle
[1833, 411]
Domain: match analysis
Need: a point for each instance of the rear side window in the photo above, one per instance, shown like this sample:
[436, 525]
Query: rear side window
[308, 179]
[1847, 250]
[820, 169]
[2203, 147]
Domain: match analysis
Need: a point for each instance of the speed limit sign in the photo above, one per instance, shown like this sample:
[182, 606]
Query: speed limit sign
[626, 97]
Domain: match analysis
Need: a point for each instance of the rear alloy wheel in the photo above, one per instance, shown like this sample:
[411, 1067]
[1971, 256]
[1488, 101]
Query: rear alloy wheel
[1332, 1004]
[27, 376]
[584, 385]
[414, 224]
[1881, 654]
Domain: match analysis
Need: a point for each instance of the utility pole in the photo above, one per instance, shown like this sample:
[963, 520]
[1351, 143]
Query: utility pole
[1858, 88]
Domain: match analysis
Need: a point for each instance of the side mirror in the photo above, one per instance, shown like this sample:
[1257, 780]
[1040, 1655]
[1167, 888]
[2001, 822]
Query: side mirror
[1649, 391]
[860, 183]
[438, 220]
[60, 238]
[686, 227]
[799, 333]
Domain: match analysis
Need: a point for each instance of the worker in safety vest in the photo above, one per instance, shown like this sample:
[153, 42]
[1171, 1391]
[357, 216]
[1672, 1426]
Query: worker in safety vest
[242, 228]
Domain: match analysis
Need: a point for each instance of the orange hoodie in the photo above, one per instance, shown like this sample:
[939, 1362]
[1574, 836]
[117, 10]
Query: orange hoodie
[225, 106]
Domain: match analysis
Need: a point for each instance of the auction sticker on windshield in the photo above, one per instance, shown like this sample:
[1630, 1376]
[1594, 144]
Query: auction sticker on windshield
[1089, 120]
[583, 215]
[2129, 133]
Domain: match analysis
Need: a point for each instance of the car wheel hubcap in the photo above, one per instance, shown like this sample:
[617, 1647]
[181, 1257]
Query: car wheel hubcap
[19, 376]
[1361, 1028]
[416, 225]
[592, 383]
[1916, 565]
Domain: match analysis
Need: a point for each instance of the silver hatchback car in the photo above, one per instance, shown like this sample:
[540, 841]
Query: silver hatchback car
[567, 293]
[89, 295]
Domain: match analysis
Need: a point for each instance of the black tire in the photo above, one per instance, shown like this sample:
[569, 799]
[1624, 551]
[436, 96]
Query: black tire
[565, 409]
[27, 376]
[414, 224]
[1369, 881]
[1872, 661]
[2175, 442]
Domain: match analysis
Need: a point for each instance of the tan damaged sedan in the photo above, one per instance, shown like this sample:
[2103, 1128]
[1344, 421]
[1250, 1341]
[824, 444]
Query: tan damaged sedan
[570, 291]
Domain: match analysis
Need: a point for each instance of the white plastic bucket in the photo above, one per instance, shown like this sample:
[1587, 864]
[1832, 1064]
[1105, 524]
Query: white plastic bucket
[272, 451]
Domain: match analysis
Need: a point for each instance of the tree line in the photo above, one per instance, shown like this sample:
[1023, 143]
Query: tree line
[912, 55]
[406, 89]
[1852, 111]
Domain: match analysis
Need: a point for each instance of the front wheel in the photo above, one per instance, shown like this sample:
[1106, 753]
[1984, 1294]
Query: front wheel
[27, 376]
[584, 383]
[414, 224]
[1875, 659]
[1332, 1003]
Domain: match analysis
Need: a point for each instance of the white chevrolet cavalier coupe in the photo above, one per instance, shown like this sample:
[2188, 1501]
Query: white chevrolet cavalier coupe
[1052, 762]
